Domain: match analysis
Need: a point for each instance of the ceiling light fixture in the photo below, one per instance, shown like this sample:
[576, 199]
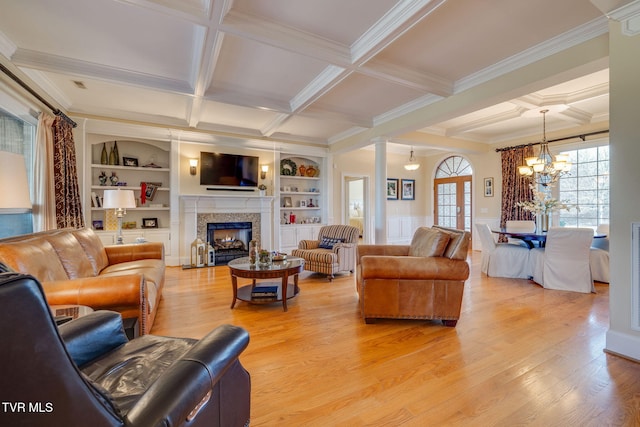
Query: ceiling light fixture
[542, 170]
[412, 164]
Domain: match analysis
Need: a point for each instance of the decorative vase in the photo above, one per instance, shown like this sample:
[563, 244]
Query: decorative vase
[543, 222]
[115, 152]
[104, 157]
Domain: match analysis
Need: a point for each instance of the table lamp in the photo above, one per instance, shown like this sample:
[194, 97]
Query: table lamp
[120, 200]
[15, 196]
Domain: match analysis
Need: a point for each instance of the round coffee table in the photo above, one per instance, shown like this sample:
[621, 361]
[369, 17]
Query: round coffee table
[240, 267]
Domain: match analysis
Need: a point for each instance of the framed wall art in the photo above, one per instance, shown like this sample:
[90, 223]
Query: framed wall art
[392, 188]
[408, 187]
[149, 222]
[488, 187]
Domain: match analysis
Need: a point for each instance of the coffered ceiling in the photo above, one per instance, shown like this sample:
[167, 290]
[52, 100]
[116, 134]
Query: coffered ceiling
[456, 74]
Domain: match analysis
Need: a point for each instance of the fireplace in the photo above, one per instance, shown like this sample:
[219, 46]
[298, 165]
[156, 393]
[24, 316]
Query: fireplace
[230, 240]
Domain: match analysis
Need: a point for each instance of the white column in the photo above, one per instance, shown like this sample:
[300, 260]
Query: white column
[381, 193]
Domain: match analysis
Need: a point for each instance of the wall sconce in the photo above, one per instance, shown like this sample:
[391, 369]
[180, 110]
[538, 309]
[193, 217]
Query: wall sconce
[193, 164]
[263, 171]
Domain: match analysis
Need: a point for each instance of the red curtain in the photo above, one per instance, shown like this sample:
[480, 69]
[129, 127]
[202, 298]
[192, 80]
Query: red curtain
[65, 176]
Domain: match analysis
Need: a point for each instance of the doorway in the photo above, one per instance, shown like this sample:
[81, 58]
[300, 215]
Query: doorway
[452, 194]
[356, 204]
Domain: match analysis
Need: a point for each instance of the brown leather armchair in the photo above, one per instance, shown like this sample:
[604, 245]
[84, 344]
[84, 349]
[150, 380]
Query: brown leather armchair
[87, 373]
[424, 280]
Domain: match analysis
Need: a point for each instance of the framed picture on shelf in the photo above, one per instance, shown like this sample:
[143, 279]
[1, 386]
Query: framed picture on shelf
[149, 222]
[408, 189]
[97, 225]
[130, 161]
[488, 187]
[151, 188]
[392, 188]
[303, 204]
[286, 202]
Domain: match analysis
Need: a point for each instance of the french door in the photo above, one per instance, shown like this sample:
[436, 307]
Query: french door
[452, 202]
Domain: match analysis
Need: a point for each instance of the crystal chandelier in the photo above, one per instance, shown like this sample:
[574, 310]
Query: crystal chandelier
[413, 164]
[543, 170]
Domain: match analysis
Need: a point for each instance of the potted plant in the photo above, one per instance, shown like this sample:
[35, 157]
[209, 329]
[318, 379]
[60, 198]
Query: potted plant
[263, 189]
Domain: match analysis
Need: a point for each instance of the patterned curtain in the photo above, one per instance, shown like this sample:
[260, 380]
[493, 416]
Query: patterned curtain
[515, 188]
[65, 176]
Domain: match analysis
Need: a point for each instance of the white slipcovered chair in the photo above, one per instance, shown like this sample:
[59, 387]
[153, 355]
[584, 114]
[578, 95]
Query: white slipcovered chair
[599, 255]
[563, 263]
[502, 259]
[517, 226]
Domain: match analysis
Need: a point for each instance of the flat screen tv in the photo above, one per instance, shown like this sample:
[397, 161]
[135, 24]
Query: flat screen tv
[228, 169]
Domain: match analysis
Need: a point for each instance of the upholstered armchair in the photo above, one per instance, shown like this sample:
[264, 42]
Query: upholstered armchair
[87, 373]
[334, 251]
[424, 280]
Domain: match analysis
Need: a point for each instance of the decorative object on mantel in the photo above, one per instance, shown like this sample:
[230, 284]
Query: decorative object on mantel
[542, 170]
[263, 189]
[542, 205]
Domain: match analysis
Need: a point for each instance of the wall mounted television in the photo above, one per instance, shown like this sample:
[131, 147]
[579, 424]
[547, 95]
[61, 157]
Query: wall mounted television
[228, 169]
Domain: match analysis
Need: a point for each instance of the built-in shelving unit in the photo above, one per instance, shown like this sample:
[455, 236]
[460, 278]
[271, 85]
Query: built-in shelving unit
[146, 162]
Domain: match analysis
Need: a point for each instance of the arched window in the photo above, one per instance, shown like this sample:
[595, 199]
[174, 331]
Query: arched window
[452, 193]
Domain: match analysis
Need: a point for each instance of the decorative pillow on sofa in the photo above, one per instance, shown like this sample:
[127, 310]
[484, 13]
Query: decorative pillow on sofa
[428, 242]
[329, 242]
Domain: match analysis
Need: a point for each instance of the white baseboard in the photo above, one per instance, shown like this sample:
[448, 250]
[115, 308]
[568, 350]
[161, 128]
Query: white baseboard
[623, 344]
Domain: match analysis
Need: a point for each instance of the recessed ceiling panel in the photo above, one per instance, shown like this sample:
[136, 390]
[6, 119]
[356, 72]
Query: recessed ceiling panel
[235, 116]
[337, 20]
[310, 128]
[260, 70]
[115, 34]
[465, 36]
[366, 96]
[119, 101]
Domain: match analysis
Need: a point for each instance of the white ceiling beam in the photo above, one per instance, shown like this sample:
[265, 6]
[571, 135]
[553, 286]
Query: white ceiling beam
[411, 78]
[472, 125]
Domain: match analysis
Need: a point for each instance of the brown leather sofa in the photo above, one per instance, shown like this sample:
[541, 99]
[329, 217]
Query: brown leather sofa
[424, 280]
[87, 373]
[75, 268]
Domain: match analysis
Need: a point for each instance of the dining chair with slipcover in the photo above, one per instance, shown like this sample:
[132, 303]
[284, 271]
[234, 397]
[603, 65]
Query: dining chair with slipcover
[502, 259]
[599, 255]
[563, 264]
[517, 226]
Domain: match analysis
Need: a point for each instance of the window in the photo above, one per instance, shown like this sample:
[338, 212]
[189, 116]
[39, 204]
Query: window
[588, 187]
[17, 136]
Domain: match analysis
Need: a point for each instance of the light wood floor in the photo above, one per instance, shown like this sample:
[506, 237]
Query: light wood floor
[520, 355]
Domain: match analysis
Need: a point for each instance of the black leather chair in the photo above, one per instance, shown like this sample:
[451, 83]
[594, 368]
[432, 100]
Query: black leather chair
[87, 373]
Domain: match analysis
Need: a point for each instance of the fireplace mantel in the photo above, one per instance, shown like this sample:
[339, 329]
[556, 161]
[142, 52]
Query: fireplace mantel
[193, 205]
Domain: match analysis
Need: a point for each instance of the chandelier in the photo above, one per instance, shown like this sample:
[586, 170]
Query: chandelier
[412, 164]
[543, 170]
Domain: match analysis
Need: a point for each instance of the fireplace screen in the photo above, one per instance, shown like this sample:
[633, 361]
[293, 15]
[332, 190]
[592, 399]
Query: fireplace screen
[230, 240]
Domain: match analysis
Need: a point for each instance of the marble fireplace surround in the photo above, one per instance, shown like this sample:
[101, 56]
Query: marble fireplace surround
[199, 210]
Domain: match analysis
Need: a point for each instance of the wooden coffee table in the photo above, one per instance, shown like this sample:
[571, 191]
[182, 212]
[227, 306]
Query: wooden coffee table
[241, 267]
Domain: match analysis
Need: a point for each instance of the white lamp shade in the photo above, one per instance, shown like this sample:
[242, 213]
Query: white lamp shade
[13, 172]
[119, 199]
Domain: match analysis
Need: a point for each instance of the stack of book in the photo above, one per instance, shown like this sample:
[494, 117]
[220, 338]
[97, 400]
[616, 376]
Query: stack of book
[264, 292]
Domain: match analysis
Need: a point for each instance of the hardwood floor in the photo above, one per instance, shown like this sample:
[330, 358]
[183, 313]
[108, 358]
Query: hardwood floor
[520, 355]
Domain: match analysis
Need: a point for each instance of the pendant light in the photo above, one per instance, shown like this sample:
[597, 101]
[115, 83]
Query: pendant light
[412, 164]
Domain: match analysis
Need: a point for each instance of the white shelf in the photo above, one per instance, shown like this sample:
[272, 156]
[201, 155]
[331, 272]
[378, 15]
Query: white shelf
[286, 208]
[128, 168]
[140, 208]
[302, 178]
[124, 187]
[294, 193]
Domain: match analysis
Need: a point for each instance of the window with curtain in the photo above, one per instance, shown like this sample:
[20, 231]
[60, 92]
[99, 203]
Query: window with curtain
[587, 187]
[17, 136]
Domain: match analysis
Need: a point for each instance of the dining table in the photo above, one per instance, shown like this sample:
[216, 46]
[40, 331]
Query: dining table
[533, 239]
